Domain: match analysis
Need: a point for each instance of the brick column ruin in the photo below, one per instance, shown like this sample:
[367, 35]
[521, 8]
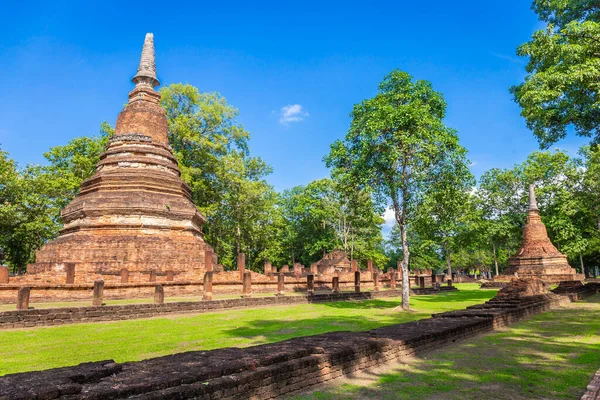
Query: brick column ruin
[208, 260]
[357, 281]
[207, 286]
[247, 284]
[152, 276]
[310, 284]
[433, 278]
[422, 282]
[280, 284]
[449, 282]
[335, 284]
[376, 281]
[170, 276]
[297, 269]
[159, 294]
[370, 266]
[124, 275]
[241, 264]
[314, 268]
[70, 271]
[285, 268]
[98, 293]
[23, 298]
[393, 280]
[3, 275]
[268, 268]
[354, 265]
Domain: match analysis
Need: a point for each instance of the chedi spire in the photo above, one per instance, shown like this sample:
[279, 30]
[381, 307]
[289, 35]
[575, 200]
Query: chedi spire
[146, 73]
[532, 202]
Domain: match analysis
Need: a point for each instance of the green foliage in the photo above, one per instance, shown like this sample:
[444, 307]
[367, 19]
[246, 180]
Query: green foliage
[326, 215]
[561, 88]
[398, 147]
[31, 199]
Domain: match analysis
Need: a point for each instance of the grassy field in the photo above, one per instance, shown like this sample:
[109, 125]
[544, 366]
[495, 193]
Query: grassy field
[48, 347]
[551, 356]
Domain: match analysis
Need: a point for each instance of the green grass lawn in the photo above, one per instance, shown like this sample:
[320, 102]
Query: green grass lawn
[551, 356]
[48, 347]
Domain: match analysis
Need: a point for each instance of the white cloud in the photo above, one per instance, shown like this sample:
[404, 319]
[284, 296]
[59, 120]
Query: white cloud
[292, 113]
[474, 163]
[390, 218]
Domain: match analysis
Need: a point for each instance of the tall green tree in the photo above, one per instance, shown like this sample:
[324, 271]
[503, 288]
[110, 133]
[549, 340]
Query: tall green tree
[561, 89]
[396, 146]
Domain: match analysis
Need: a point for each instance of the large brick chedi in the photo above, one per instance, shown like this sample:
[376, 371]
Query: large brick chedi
[537, 257]
[135, 212]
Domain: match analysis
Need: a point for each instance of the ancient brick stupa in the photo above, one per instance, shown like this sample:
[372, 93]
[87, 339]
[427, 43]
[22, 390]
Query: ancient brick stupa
[134, 213]
[336, 261]
[537, 256]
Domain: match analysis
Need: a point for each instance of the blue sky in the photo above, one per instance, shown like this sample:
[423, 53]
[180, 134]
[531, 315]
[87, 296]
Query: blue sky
[294, 70]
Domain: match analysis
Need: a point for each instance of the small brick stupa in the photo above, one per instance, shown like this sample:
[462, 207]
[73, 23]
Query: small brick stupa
[335, 262]
[537, 256]
[135, 212]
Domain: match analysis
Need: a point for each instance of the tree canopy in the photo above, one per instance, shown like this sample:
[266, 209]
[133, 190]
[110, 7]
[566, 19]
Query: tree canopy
[561, 89]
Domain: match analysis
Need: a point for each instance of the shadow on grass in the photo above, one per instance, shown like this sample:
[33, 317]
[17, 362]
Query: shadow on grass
[551, 356]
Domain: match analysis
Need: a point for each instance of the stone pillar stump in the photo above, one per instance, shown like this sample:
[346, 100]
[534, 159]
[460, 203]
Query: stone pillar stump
[207, 286]
[241, 264]
[335, 284]
[98, 293]
[247, 284]
[152, 276]
[375, 281]
[159, 294]
[310, 284]
[393, 280]
[170, 276]
[208, 260]
[280, 284]
[422, 282]
[357, 281]
[23, 298]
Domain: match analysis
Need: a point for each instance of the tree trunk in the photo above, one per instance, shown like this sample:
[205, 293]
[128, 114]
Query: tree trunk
[448, 261]
[508, 246]
[582, 266]
[405, 279]
[495, 258]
